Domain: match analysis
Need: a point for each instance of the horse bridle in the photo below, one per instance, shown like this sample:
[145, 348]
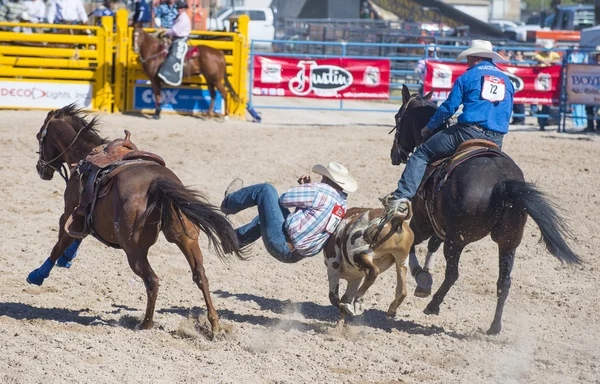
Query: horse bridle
[62, 170]
[403, 152]
[139, 52]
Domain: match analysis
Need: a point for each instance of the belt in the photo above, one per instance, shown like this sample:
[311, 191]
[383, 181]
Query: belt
[483, 130]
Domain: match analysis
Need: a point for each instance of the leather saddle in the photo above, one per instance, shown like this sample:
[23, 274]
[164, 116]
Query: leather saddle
[438, 173]
[96, 173]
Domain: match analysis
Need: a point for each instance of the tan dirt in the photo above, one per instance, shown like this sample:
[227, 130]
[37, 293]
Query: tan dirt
[79, 326]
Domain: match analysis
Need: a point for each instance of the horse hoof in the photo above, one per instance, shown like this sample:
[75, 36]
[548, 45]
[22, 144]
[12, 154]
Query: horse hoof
[144, 325]
[156, 117]
[347, 308]
[219, 335]
[424, 283]
[63, 262]
[359, 308]
[35, 278]
[390, 315]
[431, 310]
[494, 329]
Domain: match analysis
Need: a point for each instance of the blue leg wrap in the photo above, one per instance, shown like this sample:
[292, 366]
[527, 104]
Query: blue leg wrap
[66, 259]
[37, 276]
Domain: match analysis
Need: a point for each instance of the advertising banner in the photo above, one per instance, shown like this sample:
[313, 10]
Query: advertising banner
[187, 100]
[533, 85]
[583, 84]
[40, 94]
[339, 78]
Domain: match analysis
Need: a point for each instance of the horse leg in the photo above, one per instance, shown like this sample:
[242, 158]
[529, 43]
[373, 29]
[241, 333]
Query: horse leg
[423, 275]
[223, 93]
[372, 271]
[401, 290]
[156, 90]
[213, 95]
[193, 254]
[452, 251]
[346, 304]
[507, 234]
[37, 276]
[507, 259]
[138, 261]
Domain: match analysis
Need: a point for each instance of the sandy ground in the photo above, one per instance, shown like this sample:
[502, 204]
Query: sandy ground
[79, 326]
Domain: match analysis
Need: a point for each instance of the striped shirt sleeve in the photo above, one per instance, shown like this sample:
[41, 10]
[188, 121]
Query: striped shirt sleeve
[302, 196]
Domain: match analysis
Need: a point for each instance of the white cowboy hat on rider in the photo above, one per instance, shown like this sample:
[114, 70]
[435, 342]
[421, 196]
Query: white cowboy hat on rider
[480, 48]
[337, 173]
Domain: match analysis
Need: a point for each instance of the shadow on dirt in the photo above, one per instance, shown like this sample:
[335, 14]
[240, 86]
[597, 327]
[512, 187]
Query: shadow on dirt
[20, 311]
[327, 315]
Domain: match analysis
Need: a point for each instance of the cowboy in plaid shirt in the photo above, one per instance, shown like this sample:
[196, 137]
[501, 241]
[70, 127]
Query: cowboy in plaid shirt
[287, 236]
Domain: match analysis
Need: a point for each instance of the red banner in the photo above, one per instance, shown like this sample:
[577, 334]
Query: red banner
[339, 78]
[533, 85]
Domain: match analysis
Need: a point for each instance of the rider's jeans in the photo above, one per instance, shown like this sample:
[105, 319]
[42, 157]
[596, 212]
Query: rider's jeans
[440, 145]
[269, 222]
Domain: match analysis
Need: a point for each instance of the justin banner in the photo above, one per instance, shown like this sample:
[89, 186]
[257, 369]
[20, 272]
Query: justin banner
[339, 78]
[583, 84]
[533, 85]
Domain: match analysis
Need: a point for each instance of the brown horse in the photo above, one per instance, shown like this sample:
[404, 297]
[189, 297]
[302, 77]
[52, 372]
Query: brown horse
[484, 195]
[144, 200]
[209, 62]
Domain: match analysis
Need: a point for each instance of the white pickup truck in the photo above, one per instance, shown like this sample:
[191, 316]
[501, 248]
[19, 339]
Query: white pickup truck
[261, 25]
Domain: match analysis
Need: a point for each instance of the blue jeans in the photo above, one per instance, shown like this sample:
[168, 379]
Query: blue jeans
[440, 145]
[269, 222]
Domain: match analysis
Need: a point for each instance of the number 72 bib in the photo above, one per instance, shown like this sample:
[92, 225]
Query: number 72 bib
[493, 89]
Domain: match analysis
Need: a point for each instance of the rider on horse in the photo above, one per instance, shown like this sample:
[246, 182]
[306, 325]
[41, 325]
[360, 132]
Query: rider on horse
[171, 71]
[486, 94]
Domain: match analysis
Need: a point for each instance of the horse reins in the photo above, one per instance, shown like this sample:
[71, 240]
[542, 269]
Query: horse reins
[140, 57]
[62, 170]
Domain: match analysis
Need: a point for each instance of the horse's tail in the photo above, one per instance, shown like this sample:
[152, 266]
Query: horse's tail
[230, 88]
[174, 201]
[553, 227]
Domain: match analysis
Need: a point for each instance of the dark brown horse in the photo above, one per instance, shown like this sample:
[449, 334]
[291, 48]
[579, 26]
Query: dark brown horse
[482, 196]
[144, 200]
[209, 62]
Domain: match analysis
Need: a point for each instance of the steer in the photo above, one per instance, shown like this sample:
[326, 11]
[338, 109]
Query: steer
[360, 249]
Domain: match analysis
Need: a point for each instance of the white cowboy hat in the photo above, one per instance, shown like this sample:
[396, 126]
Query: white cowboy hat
[480, 48]
[337, 173]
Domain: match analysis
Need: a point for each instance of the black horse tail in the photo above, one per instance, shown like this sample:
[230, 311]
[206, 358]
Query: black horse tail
[553, 227]
[174, 201]
[230, 88]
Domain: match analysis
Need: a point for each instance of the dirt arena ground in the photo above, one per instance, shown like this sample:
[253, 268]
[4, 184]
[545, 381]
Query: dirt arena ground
[79, 326]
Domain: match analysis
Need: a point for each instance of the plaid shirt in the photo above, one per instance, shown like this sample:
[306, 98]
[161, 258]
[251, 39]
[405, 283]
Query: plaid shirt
[166, 14]
[306, 226]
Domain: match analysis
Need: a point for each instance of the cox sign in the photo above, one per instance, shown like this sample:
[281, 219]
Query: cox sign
[189, 100]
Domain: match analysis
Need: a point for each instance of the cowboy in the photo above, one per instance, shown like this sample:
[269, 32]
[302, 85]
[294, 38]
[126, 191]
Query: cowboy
[486, 94]
[171, 71]
[291, 236]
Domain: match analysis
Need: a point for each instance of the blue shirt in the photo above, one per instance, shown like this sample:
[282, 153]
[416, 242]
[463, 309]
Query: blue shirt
[486, 94]
[143, 13]
[167, 15]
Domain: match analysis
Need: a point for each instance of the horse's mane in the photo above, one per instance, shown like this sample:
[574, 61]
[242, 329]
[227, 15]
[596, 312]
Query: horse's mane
[87, 130]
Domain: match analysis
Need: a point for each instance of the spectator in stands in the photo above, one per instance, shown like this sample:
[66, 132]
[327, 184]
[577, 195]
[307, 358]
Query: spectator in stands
[12, 10]
[518, 108]
[546, 58]
[66, 12]
[165, 14]
[142, 15]
[36, 9]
